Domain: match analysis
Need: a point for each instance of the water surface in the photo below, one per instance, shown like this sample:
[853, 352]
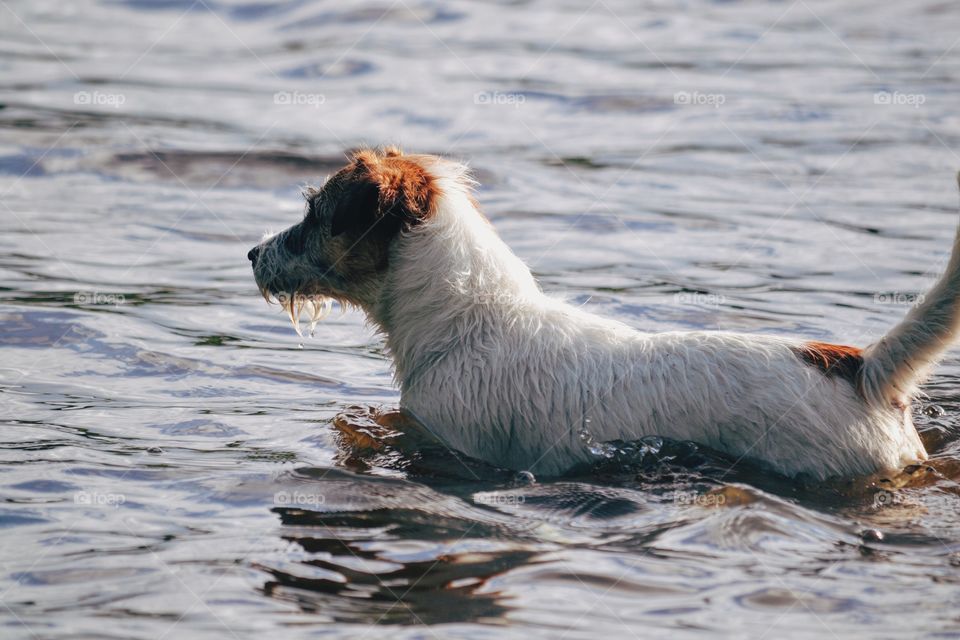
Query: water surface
[169, 464]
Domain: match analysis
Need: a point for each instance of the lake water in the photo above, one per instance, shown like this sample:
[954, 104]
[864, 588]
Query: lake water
[169, 466]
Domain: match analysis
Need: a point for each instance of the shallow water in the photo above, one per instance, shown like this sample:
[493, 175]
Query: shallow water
[169, 461]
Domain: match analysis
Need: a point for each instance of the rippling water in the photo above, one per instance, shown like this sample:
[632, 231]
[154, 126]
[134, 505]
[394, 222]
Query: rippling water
[170, 466]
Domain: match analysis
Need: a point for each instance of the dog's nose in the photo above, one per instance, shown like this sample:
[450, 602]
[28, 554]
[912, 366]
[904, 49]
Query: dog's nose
[252, 254]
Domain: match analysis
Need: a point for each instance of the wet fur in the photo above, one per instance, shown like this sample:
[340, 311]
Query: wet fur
[505, 373]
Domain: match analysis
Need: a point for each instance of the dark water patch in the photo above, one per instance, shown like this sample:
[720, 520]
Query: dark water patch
[20, 165]
[338, 69]
[224, 169]
[19, 519]
[42, 329]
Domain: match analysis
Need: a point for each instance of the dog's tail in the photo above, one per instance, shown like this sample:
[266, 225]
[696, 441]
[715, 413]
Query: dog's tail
[895, 366]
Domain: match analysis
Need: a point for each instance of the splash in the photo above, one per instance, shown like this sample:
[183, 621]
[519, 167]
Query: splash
[602, 450]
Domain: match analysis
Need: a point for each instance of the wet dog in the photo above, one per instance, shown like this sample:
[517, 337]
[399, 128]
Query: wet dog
[503, 372]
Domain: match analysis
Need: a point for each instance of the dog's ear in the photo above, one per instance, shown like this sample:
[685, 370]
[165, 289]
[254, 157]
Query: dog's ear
[389, 191]
[357, 206]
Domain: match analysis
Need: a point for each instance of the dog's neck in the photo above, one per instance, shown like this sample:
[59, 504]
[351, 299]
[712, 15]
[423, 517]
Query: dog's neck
[451, 279]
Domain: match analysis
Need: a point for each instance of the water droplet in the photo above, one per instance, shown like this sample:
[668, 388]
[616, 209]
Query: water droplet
[871, 535]
[653, 442]
[523, 479]
[598, 449]
[934, 411]
[603, 450]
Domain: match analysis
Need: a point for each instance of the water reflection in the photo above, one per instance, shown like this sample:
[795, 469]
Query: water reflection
[176, 461]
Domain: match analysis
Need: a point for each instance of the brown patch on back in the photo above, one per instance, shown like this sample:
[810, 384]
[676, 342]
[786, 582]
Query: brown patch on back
[833, 360]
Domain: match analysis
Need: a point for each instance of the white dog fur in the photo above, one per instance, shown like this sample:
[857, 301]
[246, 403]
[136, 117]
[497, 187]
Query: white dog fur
[505, 373]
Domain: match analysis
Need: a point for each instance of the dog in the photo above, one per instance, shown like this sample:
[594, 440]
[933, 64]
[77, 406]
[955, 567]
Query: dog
[501, 371]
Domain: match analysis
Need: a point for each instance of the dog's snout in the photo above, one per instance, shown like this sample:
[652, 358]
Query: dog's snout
[253, 254]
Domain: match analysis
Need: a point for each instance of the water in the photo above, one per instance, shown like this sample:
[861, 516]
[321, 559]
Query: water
[170, 466]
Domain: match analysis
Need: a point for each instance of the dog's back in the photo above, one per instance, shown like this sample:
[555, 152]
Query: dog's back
[521, 375]
[753, 397]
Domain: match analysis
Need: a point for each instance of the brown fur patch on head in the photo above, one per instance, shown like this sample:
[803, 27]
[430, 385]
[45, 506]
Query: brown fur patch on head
[383, 190]
[833, 360]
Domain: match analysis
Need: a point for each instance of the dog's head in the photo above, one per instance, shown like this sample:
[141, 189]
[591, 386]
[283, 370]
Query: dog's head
[341, 248]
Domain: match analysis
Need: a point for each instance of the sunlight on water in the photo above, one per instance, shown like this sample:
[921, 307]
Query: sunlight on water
[178, 462]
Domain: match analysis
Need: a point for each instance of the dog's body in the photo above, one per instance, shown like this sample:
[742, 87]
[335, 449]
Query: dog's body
[507, 374]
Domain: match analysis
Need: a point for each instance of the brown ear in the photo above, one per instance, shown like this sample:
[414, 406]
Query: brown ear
[387, 191]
